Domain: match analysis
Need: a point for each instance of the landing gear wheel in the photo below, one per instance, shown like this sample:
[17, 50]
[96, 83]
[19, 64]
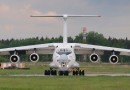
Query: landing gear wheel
[63, 73]
[60, 73]
[75, 72]
[53, 72]
[66, 73]
[47, 72]
[81, 72]
[78, 72]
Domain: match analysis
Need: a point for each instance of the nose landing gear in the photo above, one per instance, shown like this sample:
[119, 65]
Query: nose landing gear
[63, 73]
[76, 72]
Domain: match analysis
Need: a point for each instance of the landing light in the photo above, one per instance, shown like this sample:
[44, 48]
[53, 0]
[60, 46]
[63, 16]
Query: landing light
[67, 65]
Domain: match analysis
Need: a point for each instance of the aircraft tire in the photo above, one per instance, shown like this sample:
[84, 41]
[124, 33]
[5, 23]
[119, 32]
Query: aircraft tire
[60, 73]
[73, 73]
[80, 72]
[76, 73]
[48, 72]
[53, 72]
[66, 73]
[83, 72]
[45, 72]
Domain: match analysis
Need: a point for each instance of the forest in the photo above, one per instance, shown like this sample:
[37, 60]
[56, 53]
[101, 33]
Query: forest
[92, 37]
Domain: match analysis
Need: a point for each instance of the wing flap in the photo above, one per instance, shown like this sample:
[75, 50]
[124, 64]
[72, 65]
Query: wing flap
[100, 49]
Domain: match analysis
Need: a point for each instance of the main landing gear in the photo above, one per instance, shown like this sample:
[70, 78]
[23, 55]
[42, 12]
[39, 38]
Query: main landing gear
[64, 73]
[54, 73]
[78, 72]
[50, 72]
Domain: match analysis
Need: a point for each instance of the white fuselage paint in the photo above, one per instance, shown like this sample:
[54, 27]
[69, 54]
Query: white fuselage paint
[64, 58]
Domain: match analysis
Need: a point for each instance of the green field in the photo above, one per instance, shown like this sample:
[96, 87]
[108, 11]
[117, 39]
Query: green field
[38, 68]
[66, 82]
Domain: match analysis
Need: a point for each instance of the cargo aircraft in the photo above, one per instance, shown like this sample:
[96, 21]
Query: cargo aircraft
[64, 54]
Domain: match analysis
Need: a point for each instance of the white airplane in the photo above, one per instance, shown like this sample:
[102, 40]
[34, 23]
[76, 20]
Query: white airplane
[64, 58]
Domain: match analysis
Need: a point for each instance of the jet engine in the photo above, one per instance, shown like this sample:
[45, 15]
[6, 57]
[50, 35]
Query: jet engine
[34, 57]
[113, 59]
[14, 58]
[94, 57]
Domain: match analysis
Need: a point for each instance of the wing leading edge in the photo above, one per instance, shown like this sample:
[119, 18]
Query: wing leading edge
[88, 49]
[40, 49]
[49, 48]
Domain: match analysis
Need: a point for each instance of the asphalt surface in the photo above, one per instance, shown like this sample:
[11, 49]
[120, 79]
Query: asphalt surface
[41, 75]
[111, 74]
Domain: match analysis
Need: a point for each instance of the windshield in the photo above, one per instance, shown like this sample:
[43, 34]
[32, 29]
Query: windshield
[64, 51]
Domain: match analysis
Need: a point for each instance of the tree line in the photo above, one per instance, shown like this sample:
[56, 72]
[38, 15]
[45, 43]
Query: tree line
[92, 37]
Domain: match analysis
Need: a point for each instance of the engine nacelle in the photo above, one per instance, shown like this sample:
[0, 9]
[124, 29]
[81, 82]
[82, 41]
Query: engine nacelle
[34, 57]
[113, 59]
[14, 58]
[94, 58]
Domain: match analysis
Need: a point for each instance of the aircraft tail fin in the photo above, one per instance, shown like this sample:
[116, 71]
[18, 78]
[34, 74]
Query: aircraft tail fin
[65, 17]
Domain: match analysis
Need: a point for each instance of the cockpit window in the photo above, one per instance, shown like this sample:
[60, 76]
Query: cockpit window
[64, 51]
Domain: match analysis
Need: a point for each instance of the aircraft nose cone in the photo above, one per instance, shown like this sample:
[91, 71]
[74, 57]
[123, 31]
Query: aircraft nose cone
[64, 57]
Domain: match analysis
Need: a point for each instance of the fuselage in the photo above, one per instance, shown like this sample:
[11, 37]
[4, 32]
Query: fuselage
[64, 58]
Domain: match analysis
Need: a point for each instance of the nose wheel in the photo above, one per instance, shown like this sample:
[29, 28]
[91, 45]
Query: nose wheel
[63, 73]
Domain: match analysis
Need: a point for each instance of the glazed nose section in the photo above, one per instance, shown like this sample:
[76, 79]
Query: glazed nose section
[63, 57]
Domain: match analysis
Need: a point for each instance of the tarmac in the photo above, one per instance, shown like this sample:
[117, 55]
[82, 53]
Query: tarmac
[42, 75]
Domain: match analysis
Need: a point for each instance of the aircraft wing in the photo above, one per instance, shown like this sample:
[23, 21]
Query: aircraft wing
[40, 49]
[88, 49]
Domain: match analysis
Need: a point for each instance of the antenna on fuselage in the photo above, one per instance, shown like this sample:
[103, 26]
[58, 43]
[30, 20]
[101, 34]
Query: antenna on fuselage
[65, 17]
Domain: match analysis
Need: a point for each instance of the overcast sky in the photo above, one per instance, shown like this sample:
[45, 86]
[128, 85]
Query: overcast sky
[15, 20]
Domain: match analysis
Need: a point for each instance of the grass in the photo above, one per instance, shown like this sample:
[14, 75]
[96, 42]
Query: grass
[68, 82]
[65, 83]
[35, 68]
[106, 68]
[38, 68]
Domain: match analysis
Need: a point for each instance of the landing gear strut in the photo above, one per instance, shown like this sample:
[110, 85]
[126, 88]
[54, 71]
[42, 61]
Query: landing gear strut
[63, 73]
[50, 72]
[78, 72]
[54, 72]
